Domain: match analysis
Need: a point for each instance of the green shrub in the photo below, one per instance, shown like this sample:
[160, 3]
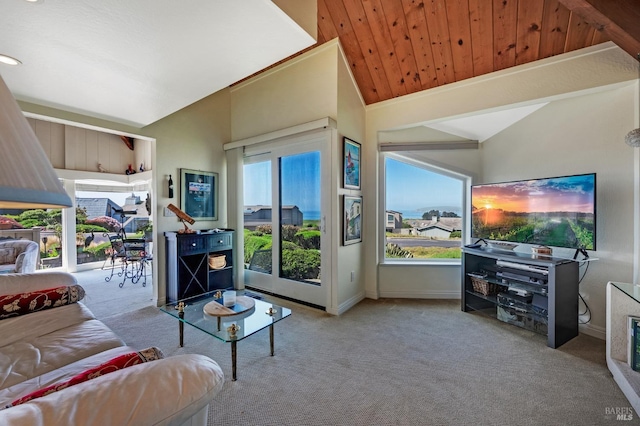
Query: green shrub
[308, 239]
[99, 250]
[253, 243]
[288, 245]
[300, 264]
[395, 251]
[264, 229]
[288, 232]
[85, 228]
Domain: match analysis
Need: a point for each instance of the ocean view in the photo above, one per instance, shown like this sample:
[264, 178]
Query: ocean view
[406, 214]
[311, 215]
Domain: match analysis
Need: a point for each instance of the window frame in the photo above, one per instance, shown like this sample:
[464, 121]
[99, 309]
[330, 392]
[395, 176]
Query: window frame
[418, 161]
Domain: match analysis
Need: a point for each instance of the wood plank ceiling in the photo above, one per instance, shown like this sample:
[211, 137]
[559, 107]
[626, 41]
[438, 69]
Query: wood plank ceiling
[399, 47]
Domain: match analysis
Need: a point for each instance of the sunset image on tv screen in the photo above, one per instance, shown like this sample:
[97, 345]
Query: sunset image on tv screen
[556, 212]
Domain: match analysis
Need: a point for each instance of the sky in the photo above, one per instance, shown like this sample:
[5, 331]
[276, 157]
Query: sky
[409, 188]
[300, 182]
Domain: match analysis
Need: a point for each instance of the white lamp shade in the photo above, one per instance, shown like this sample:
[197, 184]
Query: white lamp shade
[27, 179]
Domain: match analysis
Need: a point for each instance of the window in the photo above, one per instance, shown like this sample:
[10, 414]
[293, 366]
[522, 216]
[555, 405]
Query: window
[423, 210]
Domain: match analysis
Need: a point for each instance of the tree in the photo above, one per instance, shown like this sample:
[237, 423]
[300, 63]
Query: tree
[431, 213]
[449, 214]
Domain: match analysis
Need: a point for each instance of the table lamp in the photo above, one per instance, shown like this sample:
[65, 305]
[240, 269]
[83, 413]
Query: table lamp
[27, 178]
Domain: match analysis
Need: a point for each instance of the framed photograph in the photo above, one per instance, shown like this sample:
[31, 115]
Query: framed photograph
[351, 164]
[352, 232]
[199, 194]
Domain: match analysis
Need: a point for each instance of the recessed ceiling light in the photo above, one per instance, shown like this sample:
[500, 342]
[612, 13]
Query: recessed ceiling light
[9, 60]
[35, 1]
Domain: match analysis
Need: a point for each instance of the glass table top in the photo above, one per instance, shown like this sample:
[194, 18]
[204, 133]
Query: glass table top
[250, 322]
[632, 290]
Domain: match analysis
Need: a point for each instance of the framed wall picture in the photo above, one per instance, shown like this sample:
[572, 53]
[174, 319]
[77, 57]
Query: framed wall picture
[351, 163]
[199, 194]
[352, 223]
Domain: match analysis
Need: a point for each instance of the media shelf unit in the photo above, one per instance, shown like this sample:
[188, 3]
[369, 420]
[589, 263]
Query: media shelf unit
[188, 270]
[539, 293]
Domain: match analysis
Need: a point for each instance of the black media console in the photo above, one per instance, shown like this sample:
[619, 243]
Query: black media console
[535, 292]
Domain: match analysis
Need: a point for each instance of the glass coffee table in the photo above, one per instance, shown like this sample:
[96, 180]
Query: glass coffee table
[230, 329]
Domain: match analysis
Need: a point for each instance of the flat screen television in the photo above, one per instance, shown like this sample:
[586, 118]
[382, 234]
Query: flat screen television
[555, 212]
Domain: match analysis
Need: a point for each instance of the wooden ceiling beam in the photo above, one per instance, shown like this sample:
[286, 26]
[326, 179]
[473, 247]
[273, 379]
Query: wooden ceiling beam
[618, 20]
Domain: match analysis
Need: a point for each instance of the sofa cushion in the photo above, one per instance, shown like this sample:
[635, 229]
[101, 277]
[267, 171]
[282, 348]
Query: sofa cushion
[168, 391]
[118, 363]
[21, 283]
[12, 305]
[61, 374]
[32, 326]
[47, 340]
[7, 255]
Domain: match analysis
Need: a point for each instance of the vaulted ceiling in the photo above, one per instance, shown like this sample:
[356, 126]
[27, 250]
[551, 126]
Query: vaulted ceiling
[136, 62]
[398, 47]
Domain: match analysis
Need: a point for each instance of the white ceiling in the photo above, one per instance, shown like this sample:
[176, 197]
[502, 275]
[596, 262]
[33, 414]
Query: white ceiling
[482, 126]
[134, 62]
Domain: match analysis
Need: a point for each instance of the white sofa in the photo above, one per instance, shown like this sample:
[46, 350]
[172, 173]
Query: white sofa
[18, 256]
[50, 346]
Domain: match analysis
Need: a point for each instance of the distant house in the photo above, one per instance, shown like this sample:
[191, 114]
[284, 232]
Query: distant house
[136, 214]
[261, 215]
[394, 221]
[435, 229]
[96, 207]
[134, 221]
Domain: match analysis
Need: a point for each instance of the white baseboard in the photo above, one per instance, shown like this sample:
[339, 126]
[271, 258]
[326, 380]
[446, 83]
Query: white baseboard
[348, 304]
[421, 294]
[371, 294]
[593, 331]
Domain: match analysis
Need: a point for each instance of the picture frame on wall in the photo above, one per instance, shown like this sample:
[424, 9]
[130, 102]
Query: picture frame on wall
[352, 219]
[351, 164]
[199, 194]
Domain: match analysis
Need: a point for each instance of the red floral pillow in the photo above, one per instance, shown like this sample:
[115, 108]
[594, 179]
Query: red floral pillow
[115, 364]
[12, 305]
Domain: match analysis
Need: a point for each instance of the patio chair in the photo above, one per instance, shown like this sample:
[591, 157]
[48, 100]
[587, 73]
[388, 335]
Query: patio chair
[133, 258]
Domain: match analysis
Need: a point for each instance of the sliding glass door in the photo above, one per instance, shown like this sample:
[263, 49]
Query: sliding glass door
[284, 222]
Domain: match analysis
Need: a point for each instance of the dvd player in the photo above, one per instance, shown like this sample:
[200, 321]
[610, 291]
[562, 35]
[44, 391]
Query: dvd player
[523, 267]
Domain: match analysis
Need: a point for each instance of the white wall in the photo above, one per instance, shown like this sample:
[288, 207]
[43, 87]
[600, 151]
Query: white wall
[351, 123]
[299, 91]
[71, 147]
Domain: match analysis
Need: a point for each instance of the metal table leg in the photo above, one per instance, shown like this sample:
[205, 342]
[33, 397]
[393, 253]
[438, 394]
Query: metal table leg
[233, 360]
[181, 322]
[271, 337]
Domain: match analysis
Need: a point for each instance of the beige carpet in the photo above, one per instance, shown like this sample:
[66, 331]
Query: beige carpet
[396, 362]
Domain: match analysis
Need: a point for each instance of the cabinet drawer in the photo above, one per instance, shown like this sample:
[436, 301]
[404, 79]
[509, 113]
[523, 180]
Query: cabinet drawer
[201, 243]
[191, 244]
[220, 241]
